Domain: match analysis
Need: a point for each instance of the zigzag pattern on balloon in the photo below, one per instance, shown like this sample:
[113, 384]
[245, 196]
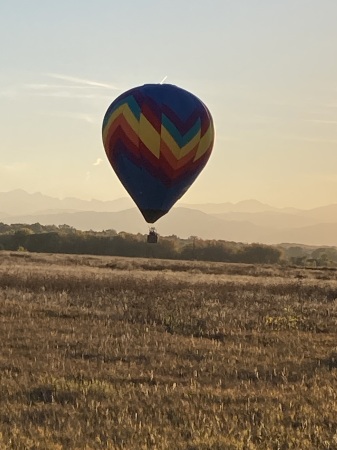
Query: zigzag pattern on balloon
[157, 138]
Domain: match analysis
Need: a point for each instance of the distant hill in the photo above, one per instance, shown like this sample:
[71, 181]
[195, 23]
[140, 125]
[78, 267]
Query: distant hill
[19, 202]
[247, 221]
[273, 219]
[129, 220]
[320, 234]
[323, 213]
[183, 222]
[251, 206]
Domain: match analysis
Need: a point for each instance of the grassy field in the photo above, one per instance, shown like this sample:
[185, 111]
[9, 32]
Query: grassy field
[117, 353]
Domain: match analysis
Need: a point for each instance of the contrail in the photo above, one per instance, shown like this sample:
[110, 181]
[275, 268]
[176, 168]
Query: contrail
[82, 81]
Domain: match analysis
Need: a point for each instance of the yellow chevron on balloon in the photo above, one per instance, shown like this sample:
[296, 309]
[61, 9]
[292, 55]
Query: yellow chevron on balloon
[149, 136]
[176, 150]
[129, 116]
[121, 123]
[187, 148]
[112, 118]
[170, 142]
[205, 143]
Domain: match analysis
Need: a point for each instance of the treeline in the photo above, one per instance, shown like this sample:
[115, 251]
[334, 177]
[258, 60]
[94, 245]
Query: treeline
[65, 239]
[311, 256]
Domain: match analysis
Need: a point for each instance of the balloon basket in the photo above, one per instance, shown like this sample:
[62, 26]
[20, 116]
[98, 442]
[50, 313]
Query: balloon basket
[152, 237]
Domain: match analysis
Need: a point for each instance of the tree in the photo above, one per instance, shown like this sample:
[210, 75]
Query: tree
[261, 254]
[325, 254]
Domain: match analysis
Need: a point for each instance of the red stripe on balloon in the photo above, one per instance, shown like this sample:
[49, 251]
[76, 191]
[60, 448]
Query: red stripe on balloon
[121, 135]
[121, 122]
[153, 114]
[167, 154]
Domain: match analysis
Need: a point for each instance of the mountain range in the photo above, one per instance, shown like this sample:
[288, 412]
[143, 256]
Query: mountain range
[247, 221]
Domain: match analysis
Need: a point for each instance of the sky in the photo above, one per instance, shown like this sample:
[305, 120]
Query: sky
[266, 69]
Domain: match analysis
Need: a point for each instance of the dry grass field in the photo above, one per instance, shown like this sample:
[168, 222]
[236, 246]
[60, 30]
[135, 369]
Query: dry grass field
[117, 353]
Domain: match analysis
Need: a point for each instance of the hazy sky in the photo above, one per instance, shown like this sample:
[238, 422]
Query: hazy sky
[267, 70]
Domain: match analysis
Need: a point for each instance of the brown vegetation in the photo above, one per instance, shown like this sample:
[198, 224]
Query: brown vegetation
[117, 353]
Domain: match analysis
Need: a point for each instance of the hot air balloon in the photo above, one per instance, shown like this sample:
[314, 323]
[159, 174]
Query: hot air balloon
[158, 138]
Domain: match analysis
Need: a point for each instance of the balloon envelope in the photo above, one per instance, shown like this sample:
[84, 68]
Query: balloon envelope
[158, 138]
